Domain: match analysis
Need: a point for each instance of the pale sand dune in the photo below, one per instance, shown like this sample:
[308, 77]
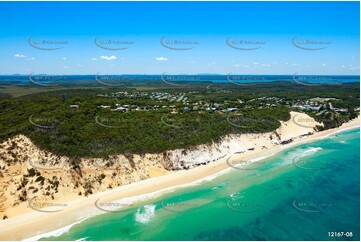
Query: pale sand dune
[31, 223]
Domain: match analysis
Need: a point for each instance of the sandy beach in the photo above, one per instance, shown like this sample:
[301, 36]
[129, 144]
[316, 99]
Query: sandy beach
[29, 223]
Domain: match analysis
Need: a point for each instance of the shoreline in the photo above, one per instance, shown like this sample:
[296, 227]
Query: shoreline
[34, 225]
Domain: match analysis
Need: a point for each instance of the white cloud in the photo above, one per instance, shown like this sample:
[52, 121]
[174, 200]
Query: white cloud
[19, 56]
[94, 59]
[350, 67]
[239, 65]
[64, 58]
[108, 58]
[24, 56]
[323, 64]
[161, 59]
[255, 63]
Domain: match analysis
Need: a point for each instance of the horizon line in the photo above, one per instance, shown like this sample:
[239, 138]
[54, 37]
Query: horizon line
[199, 74]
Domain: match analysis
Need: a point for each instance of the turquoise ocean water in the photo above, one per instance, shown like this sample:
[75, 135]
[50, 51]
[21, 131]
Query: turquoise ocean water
[307, 192]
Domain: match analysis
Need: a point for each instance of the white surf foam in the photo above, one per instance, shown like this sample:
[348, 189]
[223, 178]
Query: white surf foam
[300, 153]
[146, 214]
[54, 233]
[82, 239]
[311, 151]
[254, 160]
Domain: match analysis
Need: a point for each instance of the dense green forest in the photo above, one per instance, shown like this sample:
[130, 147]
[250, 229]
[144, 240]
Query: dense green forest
[92, 131]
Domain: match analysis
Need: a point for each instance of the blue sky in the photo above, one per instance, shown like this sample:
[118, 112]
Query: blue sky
[276, 36]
